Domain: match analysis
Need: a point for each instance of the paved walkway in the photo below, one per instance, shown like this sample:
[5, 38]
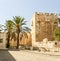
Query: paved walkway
[6, 56]
[24, 55]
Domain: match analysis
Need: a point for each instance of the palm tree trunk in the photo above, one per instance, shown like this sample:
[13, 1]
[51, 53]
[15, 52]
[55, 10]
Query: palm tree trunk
[17, 41]
[8, 39]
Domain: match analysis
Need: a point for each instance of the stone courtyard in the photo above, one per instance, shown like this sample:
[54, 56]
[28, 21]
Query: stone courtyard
[28, 55]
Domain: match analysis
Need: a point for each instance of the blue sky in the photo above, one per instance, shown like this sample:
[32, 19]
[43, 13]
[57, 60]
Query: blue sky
[26, 8]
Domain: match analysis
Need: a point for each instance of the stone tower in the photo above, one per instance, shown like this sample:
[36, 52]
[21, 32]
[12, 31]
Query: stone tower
[42, 26]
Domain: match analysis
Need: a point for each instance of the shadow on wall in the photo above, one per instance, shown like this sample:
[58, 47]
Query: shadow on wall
[6, 56]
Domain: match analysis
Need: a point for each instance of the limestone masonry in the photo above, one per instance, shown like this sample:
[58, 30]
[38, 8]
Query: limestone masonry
[42, 26]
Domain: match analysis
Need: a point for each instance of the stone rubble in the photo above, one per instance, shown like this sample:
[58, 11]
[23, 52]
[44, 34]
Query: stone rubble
[46, 45]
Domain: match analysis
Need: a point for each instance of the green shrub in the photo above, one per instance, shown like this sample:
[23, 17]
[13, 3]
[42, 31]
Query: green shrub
[57, 34]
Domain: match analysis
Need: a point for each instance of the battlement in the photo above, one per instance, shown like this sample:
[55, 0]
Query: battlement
[47, 14]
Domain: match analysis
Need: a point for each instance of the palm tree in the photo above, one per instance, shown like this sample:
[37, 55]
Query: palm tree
[1, 27]
[9, 27]
[19, 28]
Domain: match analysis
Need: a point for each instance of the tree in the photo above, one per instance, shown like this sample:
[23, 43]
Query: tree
[1, 27]
[19, 25]
[9, 27]
[57, 33]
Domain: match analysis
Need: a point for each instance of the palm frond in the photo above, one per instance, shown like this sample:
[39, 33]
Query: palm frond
[9, 25]
[23, 34]
[16, 19]
[26, 29]
[13, 36]
[22, 23]
[22, 20]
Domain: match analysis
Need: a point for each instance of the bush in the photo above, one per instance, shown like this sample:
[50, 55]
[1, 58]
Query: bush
[57, 34]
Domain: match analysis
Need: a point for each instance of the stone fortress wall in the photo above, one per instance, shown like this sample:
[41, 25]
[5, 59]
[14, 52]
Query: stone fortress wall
[42, 26]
